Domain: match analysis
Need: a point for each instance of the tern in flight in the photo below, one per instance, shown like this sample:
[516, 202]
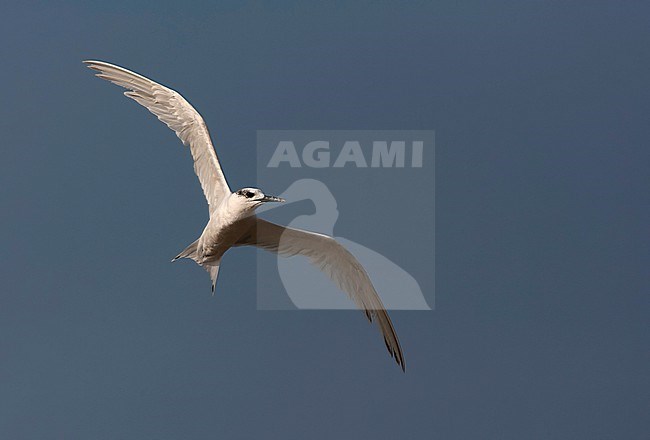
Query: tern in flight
[232, 214]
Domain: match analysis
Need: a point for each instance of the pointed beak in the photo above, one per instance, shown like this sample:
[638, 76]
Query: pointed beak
[271, 199]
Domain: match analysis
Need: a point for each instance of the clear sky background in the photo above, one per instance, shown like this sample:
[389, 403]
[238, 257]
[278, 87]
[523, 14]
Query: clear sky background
[541, 323]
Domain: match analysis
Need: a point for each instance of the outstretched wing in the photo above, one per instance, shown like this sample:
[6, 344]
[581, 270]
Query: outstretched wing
[172, 109]
[334, 260]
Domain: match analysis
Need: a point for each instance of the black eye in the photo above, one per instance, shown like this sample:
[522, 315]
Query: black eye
[249, 194]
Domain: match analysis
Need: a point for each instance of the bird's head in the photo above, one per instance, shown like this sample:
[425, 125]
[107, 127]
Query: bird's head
[247, 199]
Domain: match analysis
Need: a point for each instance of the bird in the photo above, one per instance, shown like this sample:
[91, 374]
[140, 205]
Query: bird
[233, 221]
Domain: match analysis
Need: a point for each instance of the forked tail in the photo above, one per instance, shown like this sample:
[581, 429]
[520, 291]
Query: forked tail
[191, 253]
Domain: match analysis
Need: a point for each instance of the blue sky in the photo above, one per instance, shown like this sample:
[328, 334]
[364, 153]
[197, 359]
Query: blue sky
[541, 118]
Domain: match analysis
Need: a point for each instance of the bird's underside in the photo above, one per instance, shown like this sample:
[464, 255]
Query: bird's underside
[232, 221]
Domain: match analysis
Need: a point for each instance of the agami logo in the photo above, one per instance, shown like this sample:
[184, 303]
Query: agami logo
[363, 176]
[350, 153]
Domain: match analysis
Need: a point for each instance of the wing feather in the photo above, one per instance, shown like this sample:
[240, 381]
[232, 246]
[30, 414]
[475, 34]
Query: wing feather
[179, 115]
[335, 261]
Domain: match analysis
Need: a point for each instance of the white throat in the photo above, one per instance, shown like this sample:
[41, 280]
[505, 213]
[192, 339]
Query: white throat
[232, 209]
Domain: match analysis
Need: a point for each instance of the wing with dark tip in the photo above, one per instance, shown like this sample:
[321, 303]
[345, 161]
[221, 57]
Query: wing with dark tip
[335, 261]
